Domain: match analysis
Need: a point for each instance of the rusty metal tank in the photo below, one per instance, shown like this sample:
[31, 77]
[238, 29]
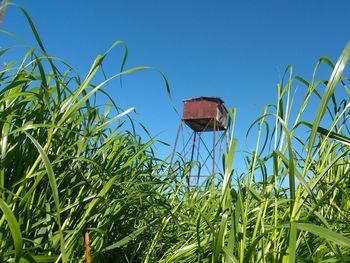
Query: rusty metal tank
[205, 114]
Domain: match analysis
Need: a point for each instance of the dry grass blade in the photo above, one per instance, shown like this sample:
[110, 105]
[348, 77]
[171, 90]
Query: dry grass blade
[2, 10]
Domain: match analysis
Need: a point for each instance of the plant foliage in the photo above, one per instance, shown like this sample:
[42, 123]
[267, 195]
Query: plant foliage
[68, 167]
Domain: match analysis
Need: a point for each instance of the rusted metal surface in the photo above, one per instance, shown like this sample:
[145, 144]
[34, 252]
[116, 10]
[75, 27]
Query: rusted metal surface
[205, 114]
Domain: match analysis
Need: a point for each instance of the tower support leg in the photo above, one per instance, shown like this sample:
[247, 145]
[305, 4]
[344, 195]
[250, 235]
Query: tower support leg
[214, 147]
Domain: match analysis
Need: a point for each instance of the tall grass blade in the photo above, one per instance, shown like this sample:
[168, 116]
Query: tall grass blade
[15, 229]
[54, 189]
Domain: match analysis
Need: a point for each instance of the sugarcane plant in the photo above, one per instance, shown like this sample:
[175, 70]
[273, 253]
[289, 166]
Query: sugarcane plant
[79, 184]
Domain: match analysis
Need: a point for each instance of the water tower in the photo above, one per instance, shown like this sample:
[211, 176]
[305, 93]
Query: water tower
[202, 137]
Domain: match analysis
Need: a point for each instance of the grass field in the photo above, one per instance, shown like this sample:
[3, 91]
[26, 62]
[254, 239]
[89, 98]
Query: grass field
[69, 167]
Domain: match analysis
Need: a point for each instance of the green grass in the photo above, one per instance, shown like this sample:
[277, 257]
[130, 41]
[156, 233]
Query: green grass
[69, 165]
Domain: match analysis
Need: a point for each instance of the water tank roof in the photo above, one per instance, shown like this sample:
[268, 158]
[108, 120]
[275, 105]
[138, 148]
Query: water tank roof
[216, 99]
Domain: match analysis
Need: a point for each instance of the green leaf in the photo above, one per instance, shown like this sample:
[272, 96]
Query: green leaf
[54, 189]
[126, 239]
[14, 228]
[328, 234]
[219, 238]
[331, 86]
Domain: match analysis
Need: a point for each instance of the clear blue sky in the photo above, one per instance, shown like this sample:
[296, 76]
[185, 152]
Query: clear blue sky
[232, 49]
